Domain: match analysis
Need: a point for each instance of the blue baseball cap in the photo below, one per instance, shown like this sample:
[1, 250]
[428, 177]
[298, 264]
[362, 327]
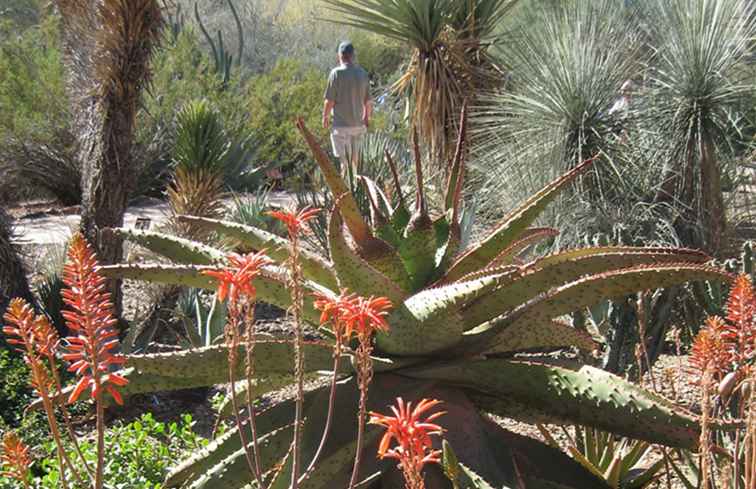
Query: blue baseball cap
[346, 48]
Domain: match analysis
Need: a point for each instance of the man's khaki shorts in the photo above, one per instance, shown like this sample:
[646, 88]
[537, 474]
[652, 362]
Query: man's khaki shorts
[346, 140]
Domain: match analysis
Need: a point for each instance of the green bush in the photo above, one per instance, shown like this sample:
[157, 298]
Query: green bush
[139, 454]
[33, 103]
[15, 392]
[290, 89]
[181, 73]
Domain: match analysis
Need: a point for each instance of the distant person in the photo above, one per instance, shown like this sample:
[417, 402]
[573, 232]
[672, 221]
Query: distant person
[347, 100]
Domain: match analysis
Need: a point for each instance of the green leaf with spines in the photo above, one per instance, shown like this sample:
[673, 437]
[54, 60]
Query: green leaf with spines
[271, 357]
[234, 472]
[354, 272]
[270, 285]
[512, 227]
[429, 320]
[589, 397]
[224, 446]
[277, 248]
[179, 250]
[590, 290]
[544, 274]
[533, 336]
[529, 237]
[418, 250]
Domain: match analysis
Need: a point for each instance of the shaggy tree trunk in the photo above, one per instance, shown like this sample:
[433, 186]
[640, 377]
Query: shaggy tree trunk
[13, 282]
[107, 47]
[713, 210]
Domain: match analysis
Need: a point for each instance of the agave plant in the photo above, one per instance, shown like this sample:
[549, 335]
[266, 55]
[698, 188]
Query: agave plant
[460, 319]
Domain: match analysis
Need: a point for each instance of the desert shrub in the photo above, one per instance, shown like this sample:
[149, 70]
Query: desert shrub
[32, 88]
[290, 89]
[181, 73]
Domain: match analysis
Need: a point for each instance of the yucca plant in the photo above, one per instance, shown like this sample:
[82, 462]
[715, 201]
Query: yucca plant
[699, 85]
[459, 321]
[449, 63]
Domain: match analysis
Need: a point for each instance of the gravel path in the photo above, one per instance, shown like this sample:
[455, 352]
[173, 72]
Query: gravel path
[39, 223]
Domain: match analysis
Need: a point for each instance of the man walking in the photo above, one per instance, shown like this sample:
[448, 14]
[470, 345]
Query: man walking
[347, 98]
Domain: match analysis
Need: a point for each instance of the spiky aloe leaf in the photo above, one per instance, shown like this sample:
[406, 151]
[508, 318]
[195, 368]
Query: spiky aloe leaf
[313, 266]
[543, 336]
[588, 397]
[528, 238]
[270, 285]
[179, 250]
[234, 473]
[354, 272]
[590, 290]
[348, 209]
[271, 357]
[429, 320]
[552, 271]
[418, 250]
[229, 443]
[261, 385]
[510, 230]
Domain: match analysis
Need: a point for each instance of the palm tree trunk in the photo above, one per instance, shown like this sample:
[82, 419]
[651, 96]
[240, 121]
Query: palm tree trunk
[107, 47]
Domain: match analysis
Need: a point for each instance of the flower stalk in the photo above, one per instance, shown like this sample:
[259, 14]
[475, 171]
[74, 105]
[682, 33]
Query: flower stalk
[295, 222]
[91, 347]
[236, 284]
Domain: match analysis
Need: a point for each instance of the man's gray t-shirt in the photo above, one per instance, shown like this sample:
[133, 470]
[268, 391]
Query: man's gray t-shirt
[348, 86]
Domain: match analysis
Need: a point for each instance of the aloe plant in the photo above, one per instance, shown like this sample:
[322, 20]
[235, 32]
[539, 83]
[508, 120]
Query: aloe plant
[460, 319]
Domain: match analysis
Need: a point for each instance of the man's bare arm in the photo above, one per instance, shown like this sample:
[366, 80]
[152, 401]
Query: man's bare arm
[327, 108]
[367, 111]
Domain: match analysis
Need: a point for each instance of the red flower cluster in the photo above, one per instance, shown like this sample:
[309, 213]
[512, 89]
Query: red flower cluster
[295, 220]
[352, 314]
[414, 447]
[90, 317]
[235, 280]
[729, 344]
[15, 460]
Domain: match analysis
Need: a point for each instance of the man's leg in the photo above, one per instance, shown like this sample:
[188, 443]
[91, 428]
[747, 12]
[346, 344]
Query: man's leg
[340, 142]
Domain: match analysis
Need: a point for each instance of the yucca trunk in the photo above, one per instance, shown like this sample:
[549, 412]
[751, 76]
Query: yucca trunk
[712, 203]
[107, 46]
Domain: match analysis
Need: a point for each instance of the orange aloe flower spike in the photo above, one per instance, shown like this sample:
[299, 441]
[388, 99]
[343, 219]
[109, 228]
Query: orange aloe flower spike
[15, 459]
[236, 280]
[294, 220]
[91, 347]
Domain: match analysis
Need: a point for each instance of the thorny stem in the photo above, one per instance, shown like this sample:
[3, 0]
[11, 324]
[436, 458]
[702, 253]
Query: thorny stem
[297, 305]
[365, 376]
[250, 372]
[329, 417]
[232, 340]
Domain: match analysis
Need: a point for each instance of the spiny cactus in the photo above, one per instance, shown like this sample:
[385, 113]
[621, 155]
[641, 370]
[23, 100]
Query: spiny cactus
[460, 318]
